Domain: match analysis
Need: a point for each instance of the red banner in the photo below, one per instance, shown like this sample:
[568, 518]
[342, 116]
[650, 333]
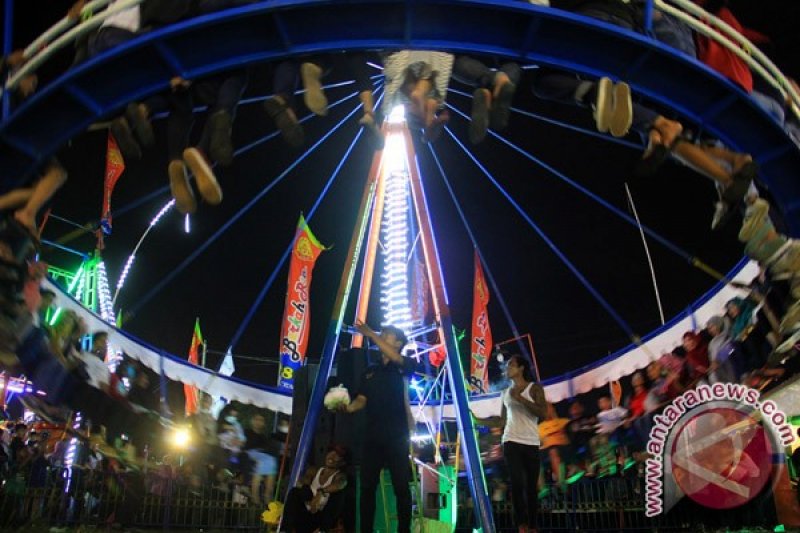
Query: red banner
[190, 391]
[296, 315]
[115, 166]
[481, 345]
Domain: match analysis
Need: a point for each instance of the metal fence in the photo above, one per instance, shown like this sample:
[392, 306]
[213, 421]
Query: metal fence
[92, 498]
[154, 501]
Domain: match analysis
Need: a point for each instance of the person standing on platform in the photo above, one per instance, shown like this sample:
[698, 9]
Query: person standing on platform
[387, 434]
[524, 405]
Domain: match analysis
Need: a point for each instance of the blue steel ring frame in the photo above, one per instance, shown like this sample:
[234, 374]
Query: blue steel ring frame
[271, 30]
[276, 29]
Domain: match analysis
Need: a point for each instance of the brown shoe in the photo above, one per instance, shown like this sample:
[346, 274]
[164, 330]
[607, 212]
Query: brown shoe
[204, 176]
[181, 190]
[286, 121]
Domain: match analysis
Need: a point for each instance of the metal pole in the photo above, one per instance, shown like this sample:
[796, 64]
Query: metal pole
[648, 16]
[205, 351]
[368, 270]
[646, 253]
[332, 335]
[472, 460]
[8, 43]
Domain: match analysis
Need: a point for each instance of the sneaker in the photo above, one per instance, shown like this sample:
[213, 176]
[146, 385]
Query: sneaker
[720, 210]
[623, 110]
[122, 133]
[314, 96]
[181, 190]
[374, 134]
[136, 114]
[285, 120]
[220, 126]
[479, 124]
[204, 177]
[604, 105]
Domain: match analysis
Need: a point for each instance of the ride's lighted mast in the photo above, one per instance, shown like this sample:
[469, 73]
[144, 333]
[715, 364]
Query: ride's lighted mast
[395, 230]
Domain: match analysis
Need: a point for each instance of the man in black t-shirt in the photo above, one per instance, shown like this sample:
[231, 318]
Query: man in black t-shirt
[386, 443]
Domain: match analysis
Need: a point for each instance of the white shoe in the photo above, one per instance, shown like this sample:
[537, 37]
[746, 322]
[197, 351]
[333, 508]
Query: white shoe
[604, 105]
[204, 176]
[314, 97]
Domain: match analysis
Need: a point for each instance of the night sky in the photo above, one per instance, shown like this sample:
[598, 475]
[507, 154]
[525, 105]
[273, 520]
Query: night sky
[568, 327]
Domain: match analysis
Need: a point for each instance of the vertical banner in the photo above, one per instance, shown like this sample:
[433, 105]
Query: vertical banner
[115, 166]
[481, 345]
[296, 314]
[190, 391]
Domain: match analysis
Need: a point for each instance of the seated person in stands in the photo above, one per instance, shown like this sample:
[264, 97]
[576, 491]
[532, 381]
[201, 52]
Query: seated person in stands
[637, 420]
[317, 502]
[665, 385]
[720, 351]
[264, 465]
[553, 435]
[610, 419]
[695, 356]
[580, 430]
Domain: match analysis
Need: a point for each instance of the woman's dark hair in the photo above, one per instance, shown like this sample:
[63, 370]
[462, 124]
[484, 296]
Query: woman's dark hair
[525, 364]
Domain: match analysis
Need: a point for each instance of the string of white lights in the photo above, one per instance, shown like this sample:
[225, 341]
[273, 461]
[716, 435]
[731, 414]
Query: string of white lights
[395, 301]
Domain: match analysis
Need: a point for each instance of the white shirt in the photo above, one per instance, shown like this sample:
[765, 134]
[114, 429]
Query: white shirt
[99, 374]
[608, 421]
[127, 19]
[521, 425]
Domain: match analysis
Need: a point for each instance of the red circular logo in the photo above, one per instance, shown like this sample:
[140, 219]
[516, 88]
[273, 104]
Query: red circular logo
[721, 458]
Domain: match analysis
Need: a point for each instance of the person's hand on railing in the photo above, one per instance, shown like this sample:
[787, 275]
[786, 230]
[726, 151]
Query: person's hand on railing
[74, 12]
[27, 85]
[16, 59]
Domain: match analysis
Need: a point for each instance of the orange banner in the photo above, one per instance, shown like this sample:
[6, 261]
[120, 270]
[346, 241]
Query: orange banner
[190, 391]
[297, 311]
[481, 345]
[115, 166]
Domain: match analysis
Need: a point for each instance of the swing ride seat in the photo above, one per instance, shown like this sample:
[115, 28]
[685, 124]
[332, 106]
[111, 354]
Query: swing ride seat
[273, 30]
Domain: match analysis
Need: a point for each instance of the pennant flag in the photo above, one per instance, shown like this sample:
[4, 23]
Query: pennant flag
[296, 315]
[190, 391]
[115, 166]
[481, 345]
[226, 368]
[615, 389]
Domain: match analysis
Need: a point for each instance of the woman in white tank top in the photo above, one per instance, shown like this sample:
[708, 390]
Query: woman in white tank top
[524, 405]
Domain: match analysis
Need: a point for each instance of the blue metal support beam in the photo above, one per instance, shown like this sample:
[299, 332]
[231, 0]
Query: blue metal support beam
[335, 326]
[441, 306]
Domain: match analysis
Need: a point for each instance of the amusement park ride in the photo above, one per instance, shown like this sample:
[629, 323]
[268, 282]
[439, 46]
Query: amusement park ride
[393, 214]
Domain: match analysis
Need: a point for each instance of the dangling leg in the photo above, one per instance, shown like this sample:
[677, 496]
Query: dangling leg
[53, 178]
